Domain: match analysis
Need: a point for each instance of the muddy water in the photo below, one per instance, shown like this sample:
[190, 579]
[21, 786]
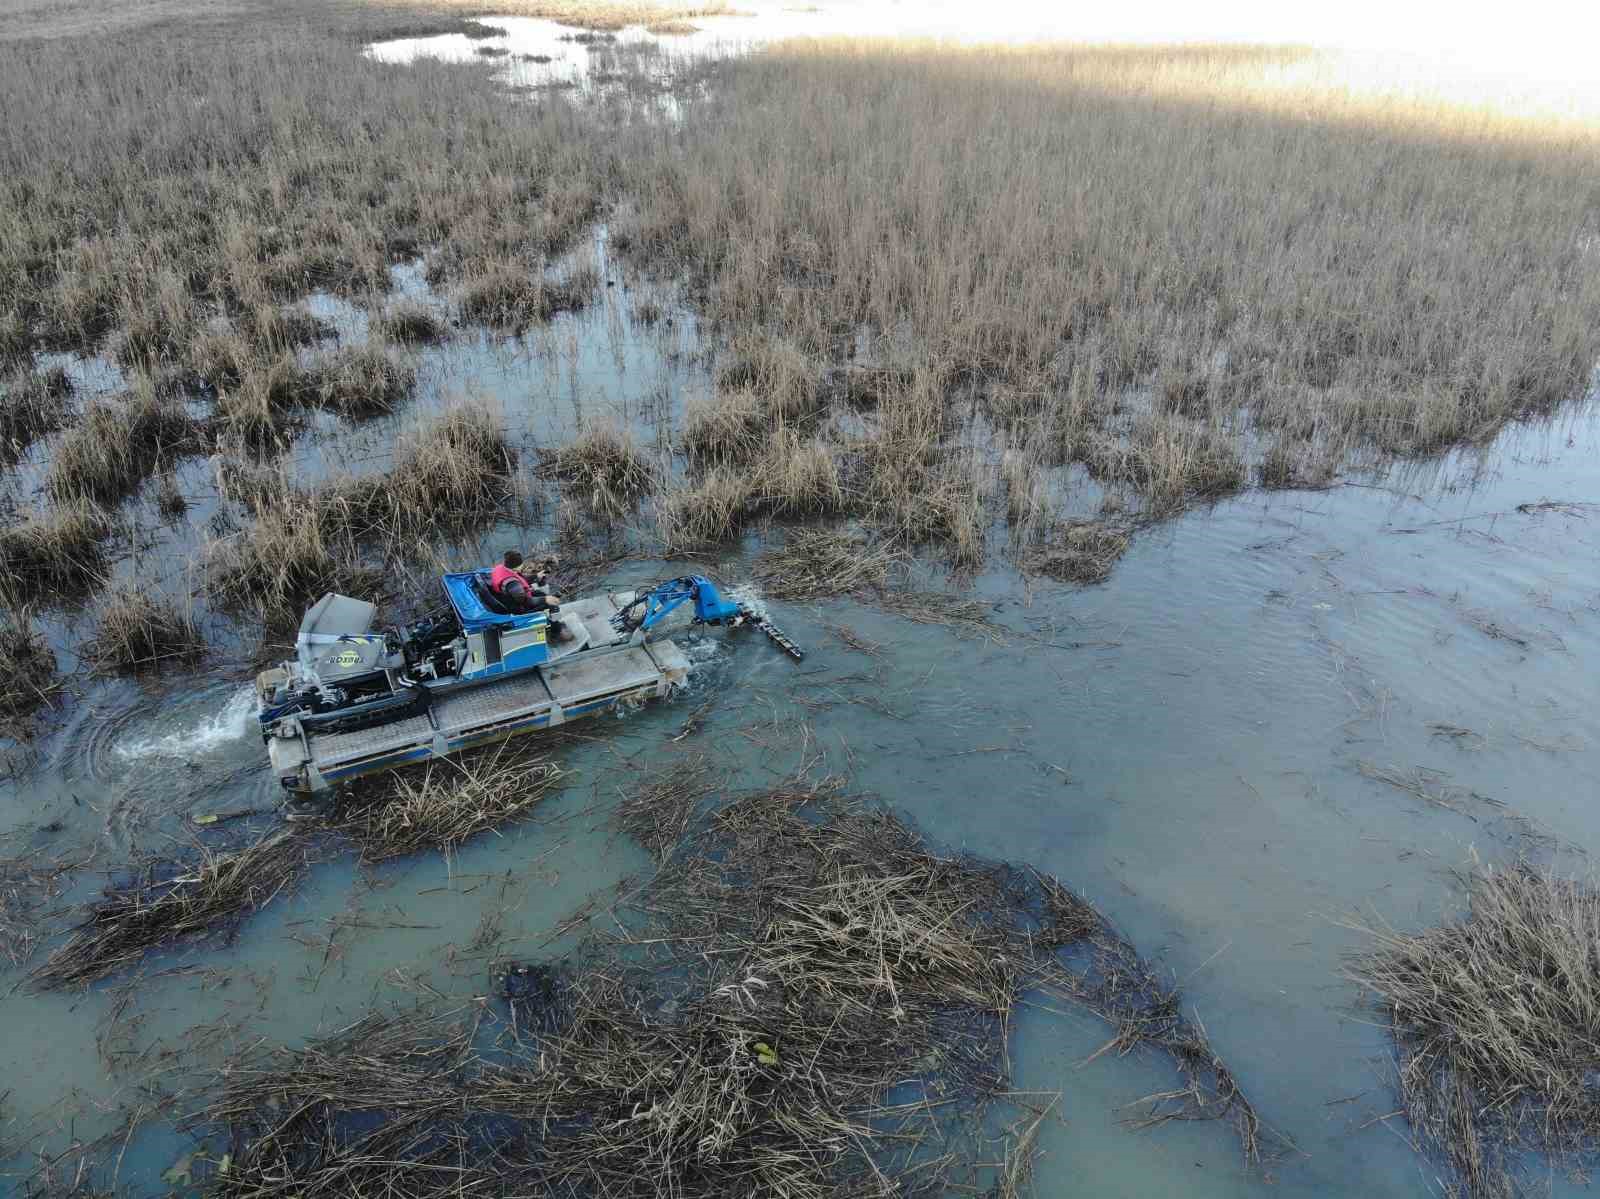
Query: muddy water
[1184, 743]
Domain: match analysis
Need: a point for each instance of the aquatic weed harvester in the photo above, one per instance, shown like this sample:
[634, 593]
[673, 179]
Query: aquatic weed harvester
[354, 700]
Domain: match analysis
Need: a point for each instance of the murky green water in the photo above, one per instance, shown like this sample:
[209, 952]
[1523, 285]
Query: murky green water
[1183, 743]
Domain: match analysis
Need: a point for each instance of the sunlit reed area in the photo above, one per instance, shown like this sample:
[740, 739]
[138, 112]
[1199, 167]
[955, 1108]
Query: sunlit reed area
[1174, 273]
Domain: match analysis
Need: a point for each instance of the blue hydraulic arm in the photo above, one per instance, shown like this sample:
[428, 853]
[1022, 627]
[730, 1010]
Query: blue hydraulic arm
[710, 607]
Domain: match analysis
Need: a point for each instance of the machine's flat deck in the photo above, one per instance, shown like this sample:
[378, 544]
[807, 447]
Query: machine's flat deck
[574, 685]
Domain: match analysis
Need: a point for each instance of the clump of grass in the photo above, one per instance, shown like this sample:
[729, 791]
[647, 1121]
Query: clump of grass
[16, 338]
[28, 665]
[274, 328]
[257, 410]
[138, 632]
[797, 477]
[1169, 460]
[792, 477]
[31, 405]
[170, 901]
[171, 503]
[411, 323]
[670, 28]
[358, 382]
[512, 295]
[1494, 1016]
[159, 317]
[776, 371]
[605, 464]
[730, 426]
[816, 563]
[707, 512]
[283, 561]
[119, 443]
[1078, 552]
[455, 470]
[443, 804]
[58, 552]
[218, 359]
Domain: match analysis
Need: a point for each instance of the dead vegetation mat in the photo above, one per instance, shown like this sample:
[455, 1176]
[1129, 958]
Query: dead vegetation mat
[805, 1001]
[166, 901]
[1493, 1016]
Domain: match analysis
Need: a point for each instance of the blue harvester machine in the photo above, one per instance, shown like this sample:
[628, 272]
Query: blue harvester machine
[354, 700]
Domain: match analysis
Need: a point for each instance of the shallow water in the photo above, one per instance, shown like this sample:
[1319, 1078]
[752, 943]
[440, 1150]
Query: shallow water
[1183, 743]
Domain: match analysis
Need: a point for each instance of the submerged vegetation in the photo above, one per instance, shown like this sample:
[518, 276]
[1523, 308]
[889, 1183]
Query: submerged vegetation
[1494, 1016]
[794, 968]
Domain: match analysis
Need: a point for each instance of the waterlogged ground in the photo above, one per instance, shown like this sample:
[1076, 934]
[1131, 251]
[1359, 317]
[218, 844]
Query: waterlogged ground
[1191, 744]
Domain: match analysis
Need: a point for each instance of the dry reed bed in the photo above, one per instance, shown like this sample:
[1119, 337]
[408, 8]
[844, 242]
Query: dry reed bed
[790, 966]
[1182, 278]
[170, 901]
[291, 164]
[1494, 1017]
[443, 804]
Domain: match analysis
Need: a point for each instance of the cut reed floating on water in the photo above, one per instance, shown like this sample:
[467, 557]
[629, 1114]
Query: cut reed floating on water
[657, 812]
[817, 563]
[800, 973]
[169, 901]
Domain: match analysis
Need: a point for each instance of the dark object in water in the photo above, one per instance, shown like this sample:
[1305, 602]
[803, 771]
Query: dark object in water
[533, 993]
